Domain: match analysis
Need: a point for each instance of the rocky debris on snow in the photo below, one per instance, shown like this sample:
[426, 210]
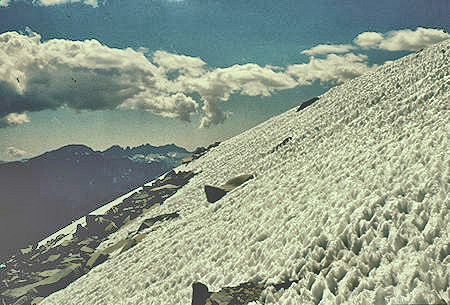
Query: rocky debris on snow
[35, 272]
[285, 141]
[147, 223]
[307, 103]
[242, 294]
[214, 193]
[200, 151]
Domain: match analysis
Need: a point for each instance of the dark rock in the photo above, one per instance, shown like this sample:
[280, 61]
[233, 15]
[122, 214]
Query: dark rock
[81, 232]
[100, 225]
[214, 193]
[307, 103]
[200, 293]
[147, 223]
[239, 295]
[285, 141]
[200, 151]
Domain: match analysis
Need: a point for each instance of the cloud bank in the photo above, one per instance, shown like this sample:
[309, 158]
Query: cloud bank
[89, 76]
[401, 40]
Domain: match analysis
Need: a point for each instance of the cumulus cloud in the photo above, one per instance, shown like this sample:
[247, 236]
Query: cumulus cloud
[401, 40]
[14, 119]
[86, 75]
[329, 48]
[15, 153]
[187, 65]
[82, 75]
[334, 68]
[177, 106]
[369, 39]
[219, 84]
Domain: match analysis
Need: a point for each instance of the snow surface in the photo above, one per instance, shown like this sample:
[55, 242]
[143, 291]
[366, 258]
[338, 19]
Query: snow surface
[361, 187]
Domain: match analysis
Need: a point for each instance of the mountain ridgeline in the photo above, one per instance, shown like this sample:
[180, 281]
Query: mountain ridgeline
[45, 193]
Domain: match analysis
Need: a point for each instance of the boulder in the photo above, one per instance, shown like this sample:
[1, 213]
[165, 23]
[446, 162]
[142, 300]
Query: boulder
[307, 103]
[214, 193]
[147, 223]
[242, 294]
[81, 232]
[200, 293]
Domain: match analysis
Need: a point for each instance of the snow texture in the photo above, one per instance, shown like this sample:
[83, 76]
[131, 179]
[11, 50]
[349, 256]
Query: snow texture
[355, 206]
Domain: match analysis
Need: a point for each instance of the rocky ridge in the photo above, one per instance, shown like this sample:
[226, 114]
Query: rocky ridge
[35, 272]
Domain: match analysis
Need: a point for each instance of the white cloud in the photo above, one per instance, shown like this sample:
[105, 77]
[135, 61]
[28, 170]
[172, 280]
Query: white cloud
[86, 75]
[93, 3]
[249, 79]
[190, 66]
[334, 68]
[15, 153]
[328, 48]
[14, 119]
[177, 106]
[401, 40]
[369, 39]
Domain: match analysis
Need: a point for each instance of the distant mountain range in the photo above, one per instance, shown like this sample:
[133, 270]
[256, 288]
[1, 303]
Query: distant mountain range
[45, 193]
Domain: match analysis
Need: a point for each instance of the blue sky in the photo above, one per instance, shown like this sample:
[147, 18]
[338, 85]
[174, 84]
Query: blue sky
[196, 71]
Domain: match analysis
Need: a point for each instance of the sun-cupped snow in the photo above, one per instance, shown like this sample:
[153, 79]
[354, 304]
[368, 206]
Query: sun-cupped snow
[354, 207]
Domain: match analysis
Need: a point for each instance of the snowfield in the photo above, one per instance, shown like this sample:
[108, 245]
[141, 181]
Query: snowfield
[355, 207]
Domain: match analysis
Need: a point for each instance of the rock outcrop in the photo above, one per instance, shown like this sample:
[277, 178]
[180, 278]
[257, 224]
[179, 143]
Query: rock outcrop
[214, 193]
[307, 103]
[241, 294]
[35, 272]
[200, 151]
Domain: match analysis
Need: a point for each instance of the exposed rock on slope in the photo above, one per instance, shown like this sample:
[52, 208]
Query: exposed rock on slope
[214, 193]
[47, 192]
[37, 272]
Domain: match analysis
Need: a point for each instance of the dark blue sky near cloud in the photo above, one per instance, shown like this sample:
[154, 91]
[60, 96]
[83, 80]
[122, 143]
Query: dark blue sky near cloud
[222, 34]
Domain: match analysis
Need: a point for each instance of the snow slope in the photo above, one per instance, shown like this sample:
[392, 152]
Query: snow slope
[355, 206]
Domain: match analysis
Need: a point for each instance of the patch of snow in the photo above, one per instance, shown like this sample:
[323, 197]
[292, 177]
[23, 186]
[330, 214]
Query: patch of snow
[355, 207]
